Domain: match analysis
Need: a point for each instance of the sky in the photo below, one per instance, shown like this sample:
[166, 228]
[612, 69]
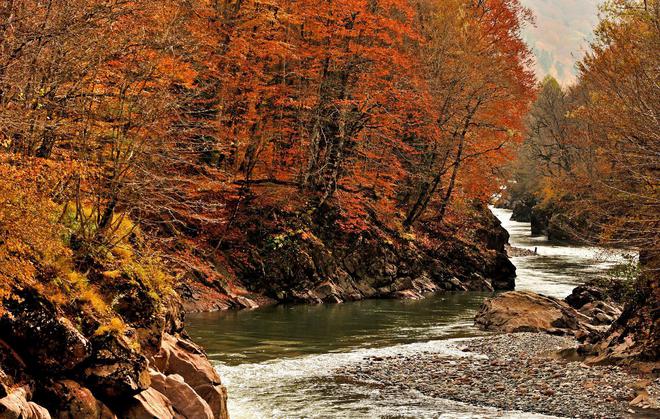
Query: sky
[561, 35]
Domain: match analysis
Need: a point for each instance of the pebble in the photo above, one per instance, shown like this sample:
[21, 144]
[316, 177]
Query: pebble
[516, 374]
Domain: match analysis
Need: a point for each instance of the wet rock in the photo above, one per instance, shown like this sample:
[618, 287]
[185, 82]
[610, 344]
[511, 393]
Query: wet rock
[522, 311]
[185, 401]
[328, 292]
[407, 295]
[186, 359]
[305, 258]
[216, 397]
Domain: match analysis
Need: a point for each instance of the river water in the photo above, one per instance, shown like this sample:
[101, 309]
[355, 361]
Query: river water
[278, 362]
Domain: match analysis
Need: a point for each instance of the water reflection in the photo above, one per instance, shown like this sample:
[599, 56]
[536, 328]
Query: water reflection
[290, 331]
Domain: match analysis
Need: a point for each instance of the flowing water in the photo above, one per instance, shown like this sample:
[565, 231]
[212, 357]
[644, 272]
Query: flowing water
[278, 362]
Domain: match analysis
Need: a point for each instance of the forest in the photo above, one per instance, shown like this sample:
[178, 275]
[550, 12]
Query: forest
[196, 155]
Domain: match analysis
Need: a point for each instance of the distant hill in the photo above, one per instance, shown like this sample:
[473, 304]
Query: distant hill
[563, 28]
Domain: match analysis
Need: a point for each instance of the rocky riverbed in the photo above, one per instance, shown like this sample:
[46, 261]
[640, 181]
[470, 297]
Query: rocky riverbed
[515, 372]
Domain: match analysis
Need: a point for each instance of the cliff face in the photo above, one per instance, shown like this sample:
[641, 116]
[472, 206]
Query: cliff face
[302, 258]
[55, 363]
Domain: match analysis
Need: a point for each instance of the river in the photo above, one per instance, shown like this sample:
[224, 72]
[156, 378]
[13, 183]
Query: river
[278, 362]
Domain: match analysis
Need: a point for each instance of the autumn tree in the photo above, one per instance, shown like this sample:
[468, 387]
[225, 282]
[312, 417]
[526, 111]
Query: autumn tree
[478, 65]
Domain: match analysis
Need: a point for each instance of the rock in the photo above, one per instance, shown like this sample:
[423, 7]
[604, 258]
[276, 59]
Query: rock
[458, 284]
[314, 262]
[35, 329]
[519, 252]
[635, 336]
[17, 406]
[185, 400]
[479, 283]
[583, 295]
[183, 358]
[604, 318]
[149, 404]
[560, 228]
[115, 369]
[523, 311]
[140, 310]
[174, 314]
[328, 292]
[407, 295]
[70, 400]
[540, 219]
[522, 209]
[216, 397]
[12, 369]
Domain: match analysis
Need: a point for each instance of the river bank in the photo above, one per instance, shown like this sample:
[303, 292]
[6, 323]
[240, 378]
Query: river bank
[515, 372]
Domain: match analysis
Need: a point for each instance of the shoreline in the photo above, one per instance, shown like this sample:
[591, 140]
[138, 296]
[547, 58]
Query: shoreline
[515, 372]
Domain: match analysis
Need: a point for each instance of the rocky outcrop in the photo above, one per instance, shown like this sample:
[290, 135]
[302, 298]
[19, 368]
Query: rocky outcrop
[115, 369]
[540, 220]
[522, 209]
[183, 398]
[551, 220]
[150, 403]
[634, 338]
[308, 258]
[50, 367]
[593, 303]
[31, 319]
[524, 311]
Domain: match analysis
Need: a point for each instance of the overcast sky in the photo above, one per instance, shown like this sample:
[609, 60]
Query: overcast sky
[563, 28]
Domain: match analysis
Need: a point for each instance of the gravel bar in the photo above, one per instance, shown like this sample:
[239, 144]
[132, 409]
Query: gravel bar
[514, 372]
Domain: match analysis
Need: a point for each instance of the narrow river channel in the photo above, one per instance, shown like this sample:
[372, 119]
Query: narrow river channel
[279, 362]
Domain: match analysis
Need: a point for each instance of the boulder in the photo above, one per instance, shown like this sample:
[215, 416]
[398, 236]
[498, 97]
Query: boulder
[584, 294]
[328, 292]
[70, 400]
[523, 311]
[36, 330]
[407, 295]
[115, 369]
[522, 209]
[17, 406]
[149, 404]
[185, 400]
[216, 397]
[185, 359]
[540, 220]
